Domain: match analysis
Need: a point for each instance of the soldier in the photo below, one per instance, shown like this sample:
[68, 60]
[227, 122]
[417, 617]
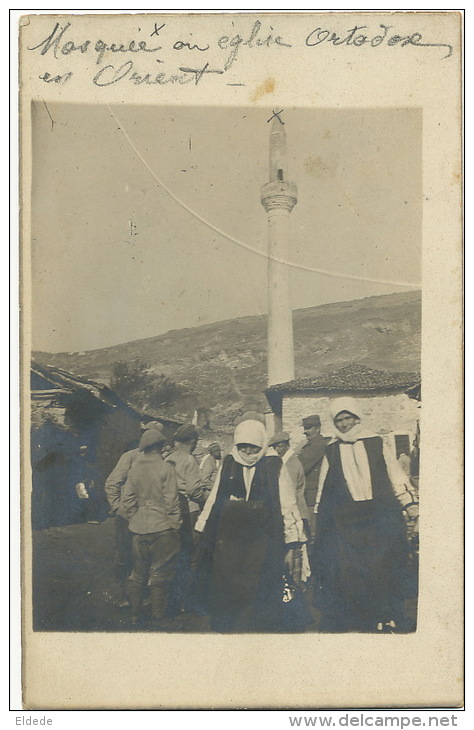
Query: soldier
[281, 443]
[209, 466]
[151, 503]
[123, 539]
[192, 497]
[311, 456]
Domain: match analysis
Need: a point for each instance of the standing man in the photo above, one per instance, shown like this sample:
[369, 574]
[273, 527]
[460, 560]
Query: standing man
[123, 538]
[311, 456]
[151, 503]
[210, 466]
[281, 443]
[192, 498]
[87, 491]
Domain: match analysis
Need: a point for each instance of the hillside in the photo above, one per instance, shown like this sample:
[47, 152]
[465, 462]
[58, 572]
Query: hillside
[223, 365]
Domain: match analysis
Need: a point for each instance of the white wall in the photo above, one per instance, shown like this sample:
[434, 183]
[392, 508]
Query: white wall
[383, 414]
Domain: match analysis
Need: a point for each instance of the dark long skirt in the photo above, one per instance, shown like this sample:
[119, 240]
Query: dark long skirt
[246, 580]
[361, 555]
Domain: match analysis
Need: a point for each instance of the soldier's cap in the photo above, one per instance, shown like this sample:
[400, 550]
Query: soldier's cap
[279, 437]
[186, 433]
[311, 421]
[151, 437]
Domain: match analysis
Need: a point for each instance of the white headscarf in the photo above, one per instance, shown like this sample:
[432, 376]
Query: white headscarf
[354, 459]
[253, 432]
[350, 405]
[249, 432]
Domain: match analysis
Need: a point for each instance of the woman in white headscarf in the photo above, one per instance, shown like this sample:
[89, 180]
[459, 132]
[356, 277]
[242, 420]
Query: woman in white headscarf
[252, 529]
[361, 548]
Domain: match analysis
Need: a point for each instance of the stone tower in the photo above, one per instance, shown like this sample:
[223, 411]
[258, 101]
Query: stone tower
[278, 197]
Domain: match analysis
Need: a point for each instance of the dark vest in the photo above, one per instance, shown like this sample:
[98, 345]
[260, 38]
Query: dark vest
[381, 485]
[264, 484]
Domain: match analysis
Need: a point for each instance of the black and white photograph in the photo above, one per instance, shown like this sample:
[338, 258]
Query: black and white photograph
[218, 305]
[224, 341]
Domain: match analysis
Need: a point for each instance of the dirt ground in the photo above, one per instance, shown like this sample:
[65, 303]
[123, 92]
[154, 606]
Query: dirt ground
[73, 581]
[74, 587]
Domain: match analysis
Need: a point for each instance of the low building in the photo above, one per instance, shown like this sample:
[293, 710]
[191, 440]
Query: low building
[390, 401]
[69, 411]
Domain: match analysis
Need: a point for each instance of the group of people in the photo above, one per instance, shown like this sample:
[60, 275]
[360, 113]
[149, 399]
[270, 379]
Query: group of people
[245, 538]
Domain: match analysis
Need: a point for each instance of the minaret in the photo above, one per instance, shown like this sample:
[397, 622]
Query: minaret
[278, 197]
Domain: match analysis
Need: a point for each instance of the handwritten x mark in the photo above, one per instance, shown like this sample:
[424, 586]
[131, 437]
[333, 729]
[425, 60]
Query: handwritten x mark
[277, 116]
[157, 30]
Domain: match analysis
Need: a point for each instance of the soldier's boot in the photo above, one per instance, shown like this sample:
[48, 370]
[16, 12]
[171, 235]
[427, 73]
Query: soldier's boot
[135, 594]
[122, 595]
[159, 621]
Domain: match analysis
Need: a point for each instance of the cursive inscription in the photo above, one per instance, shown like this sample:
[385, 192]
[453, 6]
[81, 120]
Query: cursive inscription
[58, 79]
[199, 72]
[109, 75]
[186, 58]
[55, 41]
[179, 45]
[253, 40]
[355, 38]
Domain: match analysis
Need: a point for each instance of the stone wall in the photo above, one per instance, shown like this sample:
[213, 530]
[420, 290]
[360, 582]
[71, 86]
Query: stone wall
[383, 413]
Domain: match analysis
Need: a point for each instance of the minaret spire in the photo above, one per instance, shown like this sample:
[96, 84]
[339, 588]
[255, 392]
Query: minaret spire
[279, 197]
[278, 161]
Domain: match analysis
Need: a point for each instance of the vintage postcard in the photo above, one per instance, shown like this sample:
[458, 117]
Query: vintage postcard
[241, 341]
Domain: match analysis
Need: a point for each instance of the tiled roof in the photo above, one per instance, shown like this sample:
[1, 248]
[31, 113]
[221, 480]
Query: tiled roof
[352, 378]
[61, 381]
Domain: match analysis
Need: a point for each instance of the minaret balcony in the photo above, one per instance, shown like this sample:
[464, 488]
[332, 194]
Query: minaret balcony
[279, 195]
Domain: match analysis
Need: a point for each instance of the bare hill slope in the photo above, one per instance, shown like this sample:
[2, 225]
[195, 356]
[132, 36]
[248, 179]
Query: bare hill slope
[223, 364]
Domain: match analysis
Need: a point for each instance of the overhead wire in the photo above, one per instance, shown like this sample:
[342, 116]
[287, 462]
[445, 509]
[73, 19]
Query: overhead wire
[224, 234]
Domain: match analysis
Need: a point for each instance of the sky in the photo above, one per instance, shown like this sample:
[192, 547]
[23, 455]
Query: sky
[147, 219]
